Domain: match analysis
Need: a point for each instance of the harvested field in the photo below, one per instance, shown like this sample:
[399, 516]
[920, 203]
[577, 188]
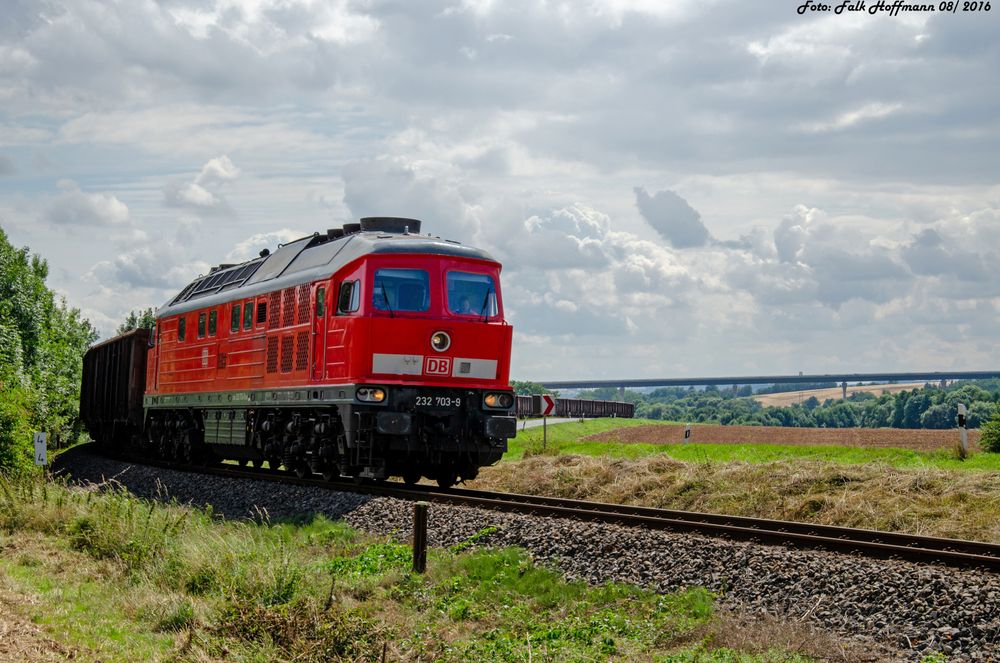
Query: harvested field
[869, 438]
[836, 393]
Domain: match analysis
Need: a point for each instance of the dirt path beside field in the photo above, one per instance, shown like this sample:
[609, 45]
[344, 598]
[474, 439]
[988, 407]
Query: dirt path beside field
[21, 639]
[919, 440]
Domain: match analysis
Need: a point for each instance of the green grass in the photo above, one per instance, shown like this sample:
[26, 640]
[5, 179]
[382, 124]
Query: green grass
[111, 577]
[565, 439]
[568, 432]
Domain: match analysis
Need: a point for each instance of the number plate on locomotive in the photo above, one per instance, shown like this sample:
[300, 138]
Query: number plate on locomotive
[438, 402]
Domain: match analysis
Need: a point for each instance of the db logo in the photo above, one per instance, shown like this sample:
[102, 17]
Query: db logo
[437, 366]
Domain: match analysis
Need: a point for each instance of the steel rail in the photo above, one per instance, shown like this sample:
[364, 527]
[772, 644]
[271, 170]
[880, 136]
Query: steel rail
[869, 543]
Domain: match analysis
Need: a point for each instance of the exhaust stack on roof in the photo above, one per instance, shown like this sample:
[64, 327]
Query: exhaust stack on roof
[390, 224]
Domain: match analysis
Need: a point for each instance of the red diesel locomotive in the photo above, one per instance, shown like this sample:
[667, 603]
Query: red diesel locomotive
[366, 352]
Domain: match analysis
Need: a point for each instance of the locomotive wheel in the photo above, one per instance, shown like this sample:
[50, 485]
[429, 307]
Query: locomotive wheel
[302, 470]
[329, 473]
[447, 478]
[273, 463]
[411, 478]
[185, 448]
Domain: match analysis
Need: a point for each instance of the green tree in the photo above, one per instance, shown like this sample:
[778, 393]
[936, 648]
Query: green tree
[939, 416]
[144, 319]
[526, 388]
[42, 342]
[915, 406]
[979, 413]
[989, 435]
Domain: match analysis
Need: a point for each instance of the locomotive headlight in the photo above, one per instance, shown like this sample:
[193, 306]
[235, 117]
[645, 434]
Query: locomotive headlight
[370, 394]
[498, 400]
[440, 341]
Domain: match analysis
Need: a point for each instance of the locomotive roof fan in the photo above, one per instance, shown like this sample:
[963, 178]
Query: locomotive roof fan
[391, 224]
[351, 228]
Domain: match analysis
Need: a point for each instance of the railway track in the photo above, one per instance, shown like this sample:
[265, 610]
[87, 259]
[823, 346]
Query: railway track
[869, 543]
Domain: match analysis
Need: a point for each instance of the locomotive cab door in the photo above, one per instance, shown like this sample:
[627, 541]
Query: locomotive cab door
[320, 300]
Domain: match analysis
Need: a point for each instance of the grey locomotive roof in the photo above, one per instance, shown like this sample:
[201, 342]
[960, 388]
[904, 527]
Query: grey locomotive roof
[303, 261]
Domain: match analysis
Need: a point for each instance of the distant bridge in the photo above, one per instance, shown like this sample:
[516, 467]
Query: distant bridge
[842, 378]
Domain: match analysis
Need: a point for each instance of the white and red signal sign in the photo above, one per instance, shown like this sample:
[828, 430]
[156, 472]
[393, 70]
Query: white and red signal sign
[548, 405]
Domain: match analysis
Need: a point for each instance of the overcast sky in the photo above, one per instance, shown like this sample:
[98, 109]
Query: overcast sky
[674, 188]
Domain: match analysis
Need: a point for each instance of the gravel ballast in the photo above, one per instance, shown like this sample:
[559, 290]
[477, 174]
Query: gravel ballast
[915, 609]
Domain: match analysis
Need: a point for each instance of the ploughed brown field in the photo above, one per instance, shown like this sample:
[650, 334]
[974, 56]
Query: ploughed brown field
[920, 440]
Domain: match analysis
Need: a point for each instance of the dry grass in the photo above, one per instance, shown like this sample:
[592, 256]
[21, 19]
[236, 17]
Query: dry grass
[962, 505]
[21, 639]
[761, 634]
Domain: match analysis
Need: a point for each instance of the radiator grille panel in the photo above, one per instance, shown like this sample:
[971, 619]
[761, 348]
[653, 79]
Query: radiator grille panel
[273, 306]
[288, 307]
[286, 354]
[301, 351]
[303, 304]
[272, 354]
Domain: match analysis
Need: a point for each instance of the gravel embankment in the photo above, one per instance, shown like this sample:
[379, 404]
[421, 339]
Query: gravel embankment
[915, 608]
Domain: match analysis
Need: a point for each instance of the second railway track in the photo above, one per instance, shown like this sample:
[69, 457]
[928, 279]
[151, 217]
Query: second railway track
[869, 543]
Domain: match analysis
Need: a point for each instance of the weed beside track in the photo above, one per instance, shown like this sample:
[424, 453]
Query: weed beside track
[109, 576]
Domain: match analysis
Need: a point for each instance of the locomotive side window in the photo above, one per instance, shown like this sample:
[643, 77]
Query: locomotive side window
[350, 297]
[320, 302]
[472, 294]
[398, 290]
[201, 325]
[234, 323]
[181, 328]
[261, 312]
[248, 315]
[213, 322]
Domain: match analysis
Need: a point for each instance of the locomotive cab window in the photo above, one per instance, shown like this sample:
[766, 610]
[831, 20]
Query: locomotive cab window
[201, 325]
[248, 315]
[213, 322]
[472, 294]
[350, 297]
[320, 302]
[181, 328]
[397, 290]
[234, 323]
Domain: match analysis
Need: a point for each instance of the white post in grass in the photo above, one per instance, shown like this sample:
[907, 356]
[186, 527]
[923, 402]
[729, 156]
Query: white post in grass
[962, 430]
[40, 455]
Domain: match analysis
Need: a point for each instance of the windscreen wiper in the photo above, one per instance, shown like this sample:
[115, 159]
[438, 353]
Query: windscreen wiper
[385, 296]
[486, 299]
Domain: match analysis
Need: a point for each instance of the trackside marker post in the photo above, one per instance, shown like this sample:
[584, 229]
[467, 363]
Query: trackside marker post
[420, 537]
[40, 450]
[962, 430]
[687, 432]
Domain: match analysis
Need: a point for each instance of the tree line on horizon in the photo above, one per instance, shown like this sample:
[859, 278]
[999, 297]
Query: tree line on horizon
[924, 407]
